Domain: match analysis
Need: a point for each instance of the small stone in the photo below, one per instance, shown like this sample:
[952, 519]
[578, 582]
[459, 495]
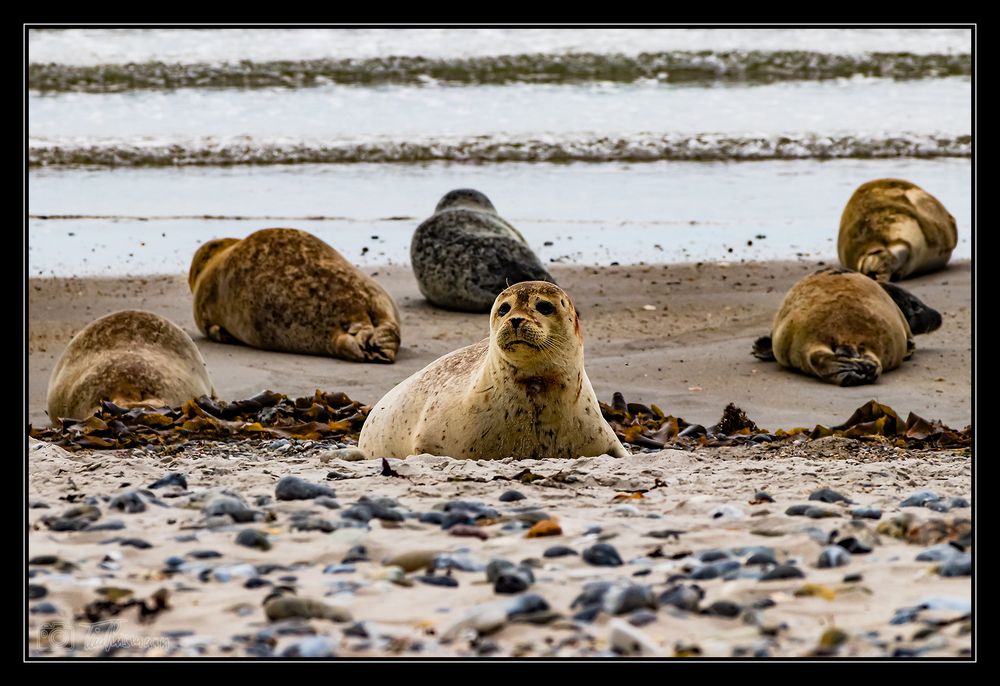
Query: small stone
[431, 518]
[621, 599]
[783, 572]
[338, 569]
[559, 551]
[356, 554]
[642, 617]
[256, 582]
[327, 502]
[854, 546]
[866, 513]
[294, 488]
[959, 566]
[959, 502]
[761, 497]
[135, 543]
[229, 505]
[833, 556]
[723, 608]
[251, 538]
[727, 512]
[346, 454]
[437, 580]
[467, 530]
[457, 518]
[546, 527]
[602, 555]
[513, 580]
[920, 499]
[496, 567]
[627, 640]
[761, 558]
[204, 554]
[314, 646]
[288, 607]
[682, 597]
[826, 495]
[412, 560]
[171, 479]
[941, 552]
[713, 555]
[129, 501]
[45, 608]
[36, 591]
[511, 496]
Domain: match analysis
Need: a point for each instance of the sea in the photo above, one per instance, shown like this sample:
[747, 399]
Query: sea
[602, 146]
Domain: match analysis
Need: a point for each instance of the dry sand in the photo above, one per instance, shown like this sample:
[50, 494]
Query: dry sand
[690, 355]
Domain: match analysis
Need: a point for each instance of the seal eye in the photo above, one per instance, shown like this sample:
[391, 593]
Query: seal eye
[504, 309]
[545, 307]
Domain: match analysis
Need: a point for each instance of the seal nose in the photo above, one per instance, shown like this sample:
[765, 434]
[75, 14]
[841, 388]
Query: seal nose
[516, 322]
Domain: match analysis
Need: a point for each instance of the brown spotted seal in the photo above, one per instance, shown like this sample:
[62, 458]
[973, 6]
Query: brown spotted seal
[465, 254]
[845, 328]
[892, 229]
[522, 392]
[285, 289]
[132, 358]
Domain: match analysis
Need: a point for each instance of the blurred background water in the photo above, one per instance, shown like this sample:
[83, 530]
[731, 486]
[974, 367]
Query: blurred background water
[601, 145]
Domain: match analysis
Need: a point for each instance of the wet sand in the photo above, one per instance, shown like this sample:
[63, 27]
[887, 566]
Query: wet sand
[690, 355]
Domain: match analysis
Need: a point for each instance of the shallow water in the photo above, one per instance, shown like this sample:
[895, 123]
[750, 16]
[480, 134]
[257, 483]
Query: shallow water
[151, 221]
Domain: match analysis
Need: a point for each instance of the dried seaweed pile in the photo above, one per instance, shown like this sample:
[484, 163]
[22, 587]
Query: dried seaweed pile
[650, 427]
[324, 416]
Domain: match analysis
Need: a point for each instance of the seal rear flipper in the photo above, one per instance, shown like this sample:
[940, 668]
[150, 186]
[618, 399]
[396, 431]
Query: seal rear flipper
[845, 366]
[920, 317]
[885, 263]
[762, 349]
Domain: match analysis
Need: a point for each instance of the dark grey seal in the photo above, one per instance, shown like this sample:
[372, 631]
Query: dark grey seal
[465, 254]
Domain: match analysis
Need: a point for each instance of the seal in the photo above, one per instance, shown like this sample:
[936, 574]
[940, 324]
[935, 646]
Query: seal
[132, 358]
[285, 289]
[892, 229]
[845, 328]
[523, 392]
[465, 254]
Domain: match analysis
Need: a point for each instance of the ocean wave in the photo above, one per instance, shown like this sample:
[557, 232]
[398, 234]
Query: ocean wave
[740, 66]
[491, 149]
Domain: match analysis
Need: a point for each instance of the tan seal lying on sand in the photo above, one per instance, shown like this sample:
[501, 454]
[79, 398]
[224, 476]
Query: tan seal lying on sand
[892, 229]
[132, 358]
[285, 289]
[845, 328]
[523, 392]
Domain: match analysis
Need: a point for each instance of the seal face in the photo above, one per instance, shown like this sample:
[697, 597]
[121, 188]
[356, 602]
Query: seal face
[465, 254]
[285, 289]
[523, 392]
[845, 328]
[892, 229]
[132, 358]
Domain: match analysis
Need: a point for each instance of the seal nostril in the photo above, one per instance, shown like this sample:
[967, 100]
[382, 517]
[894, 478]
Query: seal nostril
[516, 322]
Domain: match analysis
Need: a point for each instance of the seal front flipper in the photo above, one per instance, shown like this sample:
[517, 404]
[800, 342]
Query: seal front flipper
[845, 366]
[366, 343]
[920, 317]
[220, 335]
[885, 263]
[762, 349]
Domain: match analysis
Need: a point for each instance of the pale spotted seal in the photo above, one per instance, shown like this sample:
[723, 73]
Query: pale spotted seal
[523, 392]
[892, 229]
[131, 358]
[845, 328]
[465, 254]
[285, 289]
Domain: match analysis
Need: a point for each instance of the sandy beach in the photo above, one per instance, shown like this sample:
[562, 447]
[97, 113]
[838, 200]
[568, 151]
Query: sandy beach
[690, 355]
[688, 584]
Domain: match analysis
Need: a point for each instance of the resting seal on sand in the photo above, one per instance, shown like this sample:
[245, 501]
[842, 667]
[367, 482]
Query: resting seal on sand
[465, 254]
[132, 358]
[523, 392]
[892, 229]
[285, 289]
[845, 328]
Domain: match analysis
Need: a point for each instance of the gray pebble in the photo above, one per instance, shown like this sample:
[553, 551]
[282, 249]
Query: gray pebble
[511, 496]
[171, 479]
[723, 608]
[920, 499]
[251, 538]
[129, 501]
[939, 553]
[559, 551]
[827, 495]
[783, 572]
[958, 566]
[833, 556]
[621, 600]
[45, 608]
[314, 646]
[294, 488]
[602, 555]
[683, 597]
[866, 513]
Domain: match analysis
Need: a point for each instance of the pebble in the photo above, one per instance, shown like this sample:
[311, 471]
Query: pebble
[134, 543]
[513, 580]
[356, 554]
[642, 617]
[827, 495]
[256, 582]
[810, 511]
[622, 599]
[171, 479]
[457, 518]
[723, 608]
[109, 525]
[412, 560]
[866, 513]
[959, 502]
[545, 527]
[713, 555]
[602, 555]
[727, 512]
[762, 558]
[716, 569]
[958, 566]
[941, 552]
[683, 597]
[431, 518]
[833, 556]
[294, 488]
[45, 608]
[783, 572]
[458, 561]
[288, 607]
[559, 551]
[627, 640]
[359, 513]
[129, 501]
[511, 496]
[437, 580]
[762, 497]
[854, 546]
[204, 554]
[251, 538]
[467, 530]
[920, 499]
[327, 502]
[229, 505]
[314, 646]
[36, 591]
[345, 454]
[339, 569]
